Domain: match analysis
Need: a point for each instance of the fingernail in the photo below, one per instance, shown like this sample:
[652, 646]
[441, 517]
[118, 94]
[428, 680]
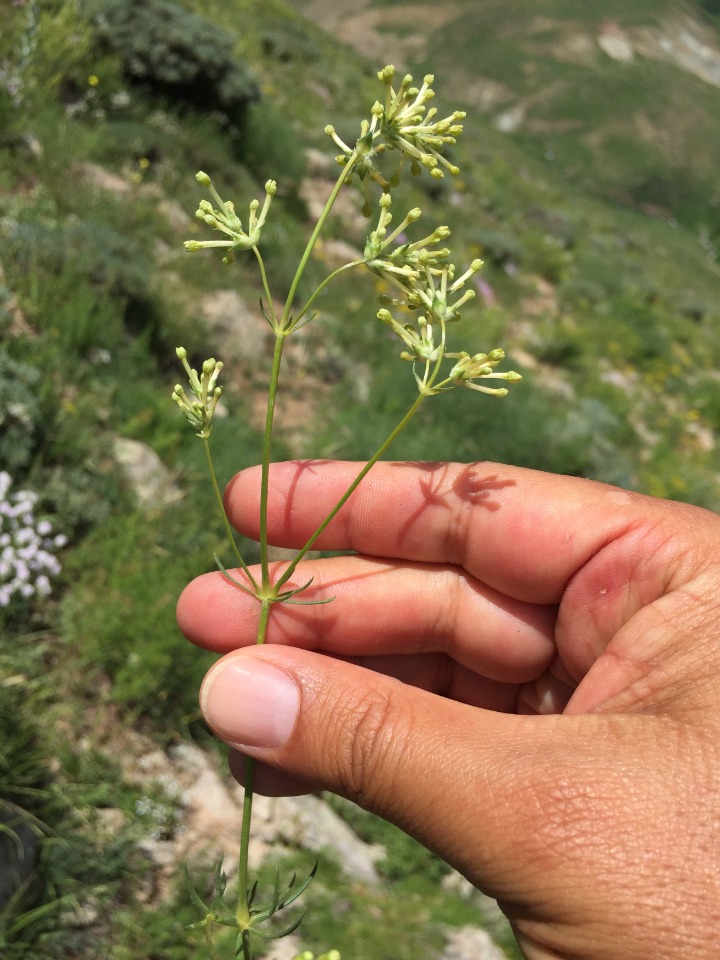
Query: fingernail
[249, 703]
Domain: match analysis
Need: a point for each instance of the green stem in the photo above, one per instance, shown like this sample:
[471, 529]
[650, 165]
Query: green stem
[267, 446]
[243, 911]
[282, 328]
[266, 288]
[243, 908]
[326, 281]
[268, 590]
[351, 489]
[347, 169]
[246, 951]
[223, 514]
[209, 943]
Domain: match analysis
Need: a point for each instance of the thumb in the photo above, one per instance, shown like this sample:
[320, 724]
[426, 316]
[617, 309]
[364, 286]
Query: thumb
[466, 782]
[583, 826]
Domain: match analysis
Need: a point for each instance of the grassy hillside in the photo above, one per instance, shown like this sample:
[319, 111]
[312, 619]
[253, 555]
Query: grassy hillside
[599, 234]
[587, 186]
[621, 99]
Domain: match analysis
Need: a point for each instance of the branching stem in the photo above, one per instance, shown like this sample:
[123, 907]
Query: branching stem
[344, 175]
[268, 591]
[351, 489]
[223, 514]
[326, 281]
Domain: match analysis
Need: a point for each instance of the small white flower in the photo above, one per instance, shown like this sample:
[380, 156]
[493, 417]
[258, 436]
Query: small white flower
[42, 585]
[26, 560]
[25, 536]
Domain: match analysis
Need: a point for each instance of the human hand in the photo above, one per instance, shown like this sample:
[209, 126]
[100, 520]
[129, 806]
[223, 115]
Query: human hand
[521, 670]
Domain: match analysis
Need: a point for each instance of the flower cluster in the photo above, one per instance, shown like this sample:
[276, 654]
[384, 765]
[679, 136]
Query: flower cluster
[480, 366]
[402, 262]
[27, 547]
[404, 123]
[201, 410]
[426, 283]
[224, 219]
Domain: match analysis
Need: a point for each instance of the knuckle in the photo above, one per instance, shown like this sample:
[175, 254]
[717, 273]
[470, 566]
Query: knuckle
[372, 739]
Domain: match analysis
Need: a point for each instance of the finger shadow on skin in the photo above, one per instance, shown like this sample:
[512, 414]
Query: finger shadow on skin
[302, 467]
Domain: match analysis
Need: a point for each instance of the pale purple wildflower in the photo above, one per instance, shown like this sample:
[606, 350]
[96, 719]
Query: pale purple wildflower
[27, 546]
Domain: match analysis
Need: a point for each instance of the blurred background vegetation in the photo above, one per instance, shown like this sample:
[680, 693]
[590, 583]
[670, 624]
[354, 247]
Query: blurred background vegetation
[589, 186]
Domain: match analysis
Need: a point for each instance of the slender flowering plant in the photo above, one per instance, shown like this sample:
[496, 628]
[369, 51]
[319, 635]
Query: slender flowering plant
[430, 293]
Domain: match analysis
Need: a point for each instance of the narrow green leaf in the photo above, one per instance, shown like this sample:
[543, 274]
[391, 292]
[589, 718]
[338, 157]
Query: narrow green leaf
[232, 579]
[194, 895]
[279, 934]
[287, 900]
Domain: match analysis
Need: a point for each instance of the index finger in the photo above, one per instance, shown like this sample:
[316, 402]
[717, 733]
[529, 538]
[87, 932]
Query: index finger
[523, 532]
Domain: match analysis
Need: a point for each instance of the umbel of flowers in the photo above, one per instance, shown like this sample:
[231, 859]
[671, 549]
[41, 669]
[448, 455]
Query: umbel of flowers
[429, 294]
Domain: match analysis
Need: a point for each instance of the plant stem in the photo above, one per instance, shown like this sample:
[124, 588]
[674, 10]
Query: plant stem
[266, 288]
[351, 489]
[326, 281]
[268, 590]
[347, 169]
[209, 943]
[267, 446]
[246, 951]
[226, 522]
[282, 328]
[243, 912]
[243, 907]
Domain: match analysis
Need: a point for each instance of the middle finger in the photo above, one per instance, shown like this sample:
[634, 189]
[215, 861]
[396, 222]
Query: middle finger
[380, 608]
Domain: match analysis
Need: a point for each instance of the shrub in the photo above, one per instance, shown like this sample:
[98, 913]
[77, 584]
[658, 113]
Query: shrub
[76, 278]
[97, 252]
[497, 246]
[288, 41]
[177, 54]
[21, 792]
[19, 411]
